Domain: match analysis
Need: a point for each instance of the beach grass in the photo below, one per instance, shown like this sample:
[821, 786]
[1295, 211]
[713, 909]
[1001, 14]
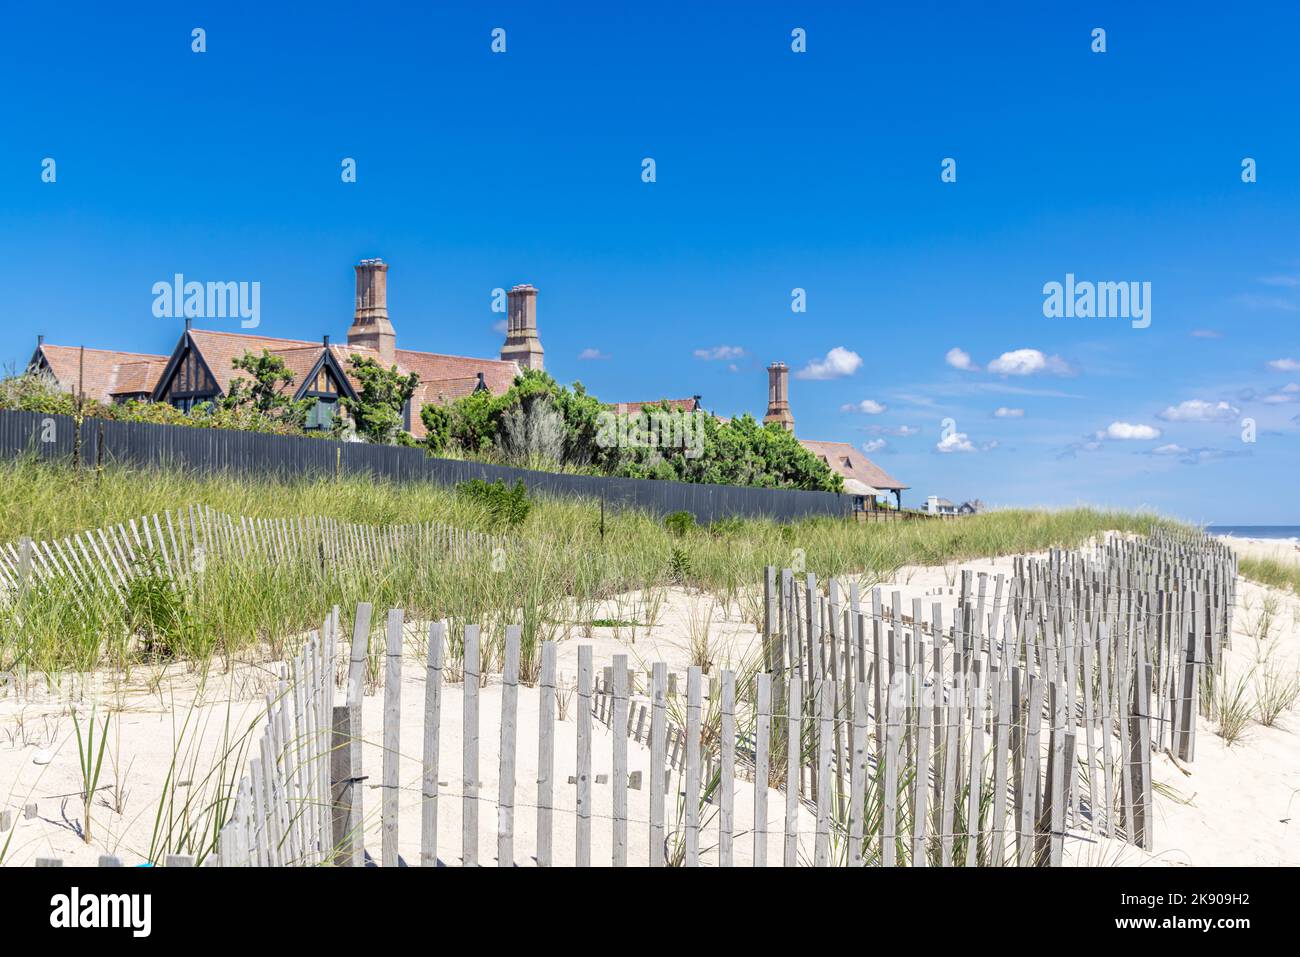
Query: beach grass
[1271, 572]
[561, 560]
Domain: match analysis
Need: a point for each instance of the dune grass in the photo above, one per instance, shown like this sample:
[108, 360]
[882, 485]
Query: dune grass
[562, 560]
[1271, 572]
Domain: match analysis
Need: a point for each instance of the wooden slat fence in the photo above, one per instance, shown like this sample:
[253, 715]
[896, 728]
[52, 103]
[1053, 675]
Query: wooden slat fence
[184, 542]
[986, 740]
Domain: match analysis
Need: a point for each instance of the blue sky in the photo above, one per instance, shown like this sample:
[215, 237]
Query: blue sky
[775, 170]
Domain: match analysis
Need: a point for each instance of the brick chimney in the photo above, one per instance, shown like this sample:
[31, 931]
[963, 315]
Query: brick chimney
[370, 326]
[522, 344]
[778, 396]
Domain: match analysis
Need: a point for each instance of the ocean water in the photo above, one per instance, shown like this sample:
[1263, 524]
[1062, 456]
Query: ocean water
[1282, 533]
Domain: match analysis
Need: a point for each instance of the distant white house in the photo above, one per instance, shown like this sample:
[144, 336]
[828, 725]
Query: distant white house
[934, 505]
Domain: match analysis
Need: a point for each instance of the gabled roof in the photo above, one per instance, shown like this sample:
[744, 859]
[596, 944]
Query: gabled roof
[443, 378]
[220, 349]
[852, 463]
[105, 373]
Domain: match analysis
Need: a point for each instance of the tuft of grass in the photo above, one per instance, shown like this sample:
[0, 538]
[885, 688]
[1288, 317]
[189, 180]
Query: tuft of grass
[1275, 693]
[89, 762]
[1233, 705]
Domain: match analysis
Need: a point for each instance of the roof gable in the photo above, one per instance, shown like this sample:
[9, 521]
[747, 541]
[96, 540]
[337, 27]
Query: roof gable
[844, 459]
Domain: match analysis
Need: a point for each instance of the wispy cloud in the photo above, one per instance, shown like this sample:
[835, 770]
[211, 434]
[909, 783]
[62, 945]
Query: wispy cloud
[866, 407]
[1206, 334]
[500, 327]
[589, 354]
[1250, 300]
[1002, 412]
[1283, 396]
[1196, 456]
[874, 445]
[1284, 365]
[1198, 410]
[839, 362]
[902, 431]
[1289, 282]
[720, 353]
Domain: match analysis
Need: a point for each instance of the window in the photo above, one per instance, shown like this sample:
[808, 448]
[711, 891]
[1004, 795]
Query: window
[321, 415]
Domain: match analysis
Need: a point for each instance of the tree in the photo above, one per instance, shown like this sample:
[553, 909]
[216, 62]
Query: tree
[521, 425]
[437, 428]
[377, 410]
[268, 393]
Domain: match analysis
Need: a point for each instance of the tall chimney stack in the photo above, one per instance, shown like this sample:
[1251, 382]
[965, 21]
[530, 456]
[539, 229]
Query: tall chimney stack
[370, 326]
[522, 344]
[778, 396]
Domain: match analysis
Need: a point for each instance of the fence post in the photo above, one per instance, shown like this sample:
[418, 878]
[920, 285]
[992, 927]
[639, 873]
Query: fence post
[392, 736]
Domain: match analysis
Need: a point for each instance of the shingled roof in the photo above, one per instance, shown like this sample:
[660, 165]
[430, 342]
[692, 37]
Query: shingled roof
[103, 373]
[852, 464]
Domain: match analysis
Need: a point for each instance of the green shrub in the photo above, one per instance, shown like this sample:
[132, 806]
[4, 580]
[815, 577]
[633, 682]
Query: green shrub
[679, 523]
[506, 505]
[680, 569]
[156, 608]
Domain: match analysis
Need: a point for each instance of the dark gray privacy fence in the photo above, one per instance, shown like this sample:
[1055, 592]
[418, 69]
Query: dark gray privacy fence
[103, 441]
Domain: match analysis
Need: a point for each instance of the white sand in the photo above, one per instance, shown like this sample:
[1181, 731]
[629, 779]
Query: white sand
[1232, 805]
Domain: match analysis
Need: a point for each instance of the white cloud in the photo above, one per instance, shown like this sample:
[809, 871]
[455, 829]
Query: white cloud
[500, 327]
[955, 442]
[720, 353]
[1284, 365]
[1206, 334]
[1029, 362]
[1127, 430]
[1198, 410]
[1170, 449]
[1287, 281]
[866, 407]
[875, 445]
[839, 362]
[1004, 413]
[960, 359]
[587, 354]
[902, 432]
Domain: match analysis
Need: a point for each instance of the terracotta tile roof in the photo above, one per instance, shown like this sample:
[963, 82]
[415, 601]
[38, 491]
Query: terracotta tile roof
[220, 349]
[677, 405]
[851, 463]
[443, 378]
[138, 378]
[106, 371]
[432, 367]
[443, 391]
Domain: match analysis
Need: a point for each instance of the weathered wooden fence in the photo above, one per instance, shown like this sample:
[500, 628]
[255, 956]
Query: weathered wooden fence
[1033, 712]
[98, 442]
[186, 541]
